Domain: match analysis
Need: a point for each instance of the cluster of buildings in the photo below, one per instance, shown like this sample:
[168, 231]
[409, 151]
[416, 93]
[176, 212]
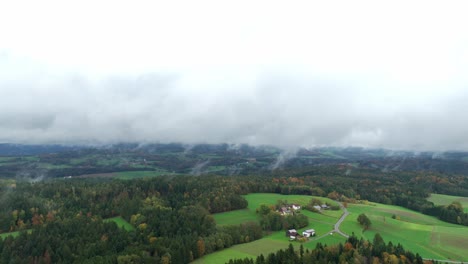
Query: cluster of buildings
[321, 207]
[293, 234]
[289, 209]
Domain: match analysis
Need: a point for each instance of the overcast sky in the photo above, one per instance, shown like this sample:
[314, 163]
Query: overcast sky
[324, 73]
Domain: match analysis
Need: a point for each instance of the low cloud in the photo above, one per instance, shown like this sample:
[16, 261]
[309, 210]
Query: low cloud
[286, 110]
[282, 158]
[301, 75]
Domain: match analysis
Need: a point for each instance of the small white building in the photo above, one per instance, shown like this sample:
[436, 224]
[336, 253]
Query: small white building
[284, 211]
[291, 232]
[308, 233]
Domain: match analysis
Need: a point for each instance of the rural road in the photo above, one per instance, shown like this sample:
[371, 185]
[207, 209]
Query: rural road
[336, 228]
[346, 213]
[444, 260]
[342, 218]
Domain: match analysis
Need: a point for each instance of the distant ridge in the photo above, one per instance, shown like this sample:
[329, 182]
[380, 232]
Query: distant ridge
[7, 149]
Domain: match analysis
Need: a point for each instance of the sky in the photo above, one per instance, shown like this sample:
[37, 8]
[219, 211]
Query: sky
[371, 74]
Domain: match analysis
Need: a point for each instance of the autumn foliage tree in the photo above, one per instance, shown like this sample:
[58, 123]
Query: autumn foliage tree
[201, 247]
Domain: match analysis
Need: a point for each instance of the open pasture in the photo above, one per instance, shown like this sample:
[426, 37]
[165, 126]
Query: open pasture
[256, 199]
[422, 234]
[127, 175]
[426, 235]
[442, 199]
[322, 223]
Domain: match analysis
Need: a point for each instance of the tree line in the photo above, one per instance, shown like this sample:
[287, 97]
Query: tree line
[354, 250]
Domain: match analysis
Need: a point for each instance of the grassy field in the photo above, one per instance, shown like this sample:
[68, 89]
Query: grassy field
[257, 199]
[442, 199]
[127, 175]
[322, 223]
[120, 223]
[84, 159]
[53, 166]
[6, 159]
[422, 234]
[266, 245]
[30, 158]
[212, 169]
[13, 234]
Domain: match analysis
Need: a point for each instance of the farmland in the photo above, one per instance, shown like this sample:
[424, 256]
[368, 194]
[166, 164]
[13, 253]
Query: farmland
[442, 199]
[322, 223]
[257, 199]
[419, 233]
[127, 175]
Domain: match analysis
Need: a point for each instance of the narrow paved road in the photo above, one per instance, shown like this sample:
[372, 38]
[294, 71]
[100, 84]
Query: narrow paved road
[336, 228]
[342, 218]
[445, 260]
[346, 213]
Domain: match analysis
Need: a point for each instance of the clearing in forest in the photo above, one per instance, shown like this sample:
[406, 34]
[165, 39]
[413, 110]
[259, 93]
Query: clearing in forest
[322, 223]
[442, 199]
[120, 223]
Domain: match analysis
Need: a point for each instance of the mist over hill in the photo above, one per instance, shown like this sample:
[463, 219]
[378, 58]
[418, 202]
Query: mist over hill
[224, 159]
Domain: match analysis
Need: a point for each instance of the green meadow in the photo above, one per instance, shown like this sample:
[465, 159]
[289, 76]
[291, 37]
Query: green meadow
[6, 159]
[266, 245]
[422, 234]
[442, 199]
[322, 223]
[13, 234]
[256, 199]
[120, 223]
[127, 175]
